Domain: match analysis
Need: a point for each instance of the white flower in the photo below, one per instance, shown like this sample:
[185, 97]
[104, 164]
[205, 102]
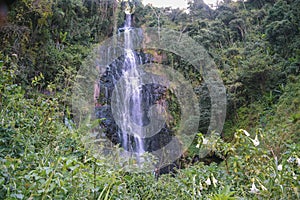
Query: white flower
[56, 149]
[294, 176]
[298, 162]
[201, 186]
[290, 160]
[255, 141]
[246, 133]
[214, 180]
[205, 141]
[279, 167]
[263, 187]
[198, 146]
[208, 182]
[254, 190]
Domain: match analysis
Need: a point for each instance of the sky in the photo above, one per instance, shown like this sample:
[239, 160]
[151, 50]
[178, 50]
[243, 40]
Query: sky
[173, 3]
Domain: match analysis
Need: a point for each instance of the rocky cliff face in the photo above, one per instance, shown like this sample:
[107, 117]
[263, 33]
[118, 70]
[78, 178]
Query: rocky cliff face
[151, 94]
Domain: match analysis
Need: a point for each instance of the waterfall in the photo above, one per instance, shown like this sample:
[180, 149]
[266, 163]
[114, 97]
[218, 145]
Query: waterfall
[133, 104]
[132, 93]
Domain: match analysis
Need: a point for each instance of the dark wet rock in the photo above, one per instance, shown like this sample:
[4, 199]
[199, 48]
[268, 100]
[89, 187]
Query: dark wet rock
[151, 95]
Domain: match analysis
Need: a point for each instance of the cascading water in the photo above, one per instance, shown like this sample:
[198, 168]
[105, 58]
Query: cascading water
[133, 102]
[132, 93]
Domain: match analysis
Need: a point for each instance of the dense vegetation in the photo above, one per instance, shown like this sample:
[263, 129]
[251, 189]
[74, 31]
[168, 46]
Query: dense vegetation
[256, 45]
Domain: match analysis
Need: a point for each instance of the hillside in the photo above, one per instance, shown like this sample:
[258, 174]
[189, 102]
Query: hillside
[47, 45]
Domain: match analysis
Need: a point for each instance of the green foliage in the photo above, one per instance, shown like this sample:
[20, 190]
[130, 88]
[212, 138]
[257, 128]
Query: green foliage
[256, 47]
[224, 194]
[282, 27]
[276, 111]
